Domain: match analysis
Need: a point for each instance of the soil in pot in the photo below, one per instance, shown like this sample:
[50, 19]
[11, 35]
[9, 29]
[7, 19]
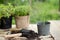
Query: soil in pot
[6, 23]
[22, 22]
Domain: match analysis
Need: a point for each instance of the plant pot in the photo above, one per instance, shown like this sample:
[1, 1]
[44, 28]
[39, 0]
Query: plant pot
[43, 28]
[22, 22]
[0, 22]
[6, 23]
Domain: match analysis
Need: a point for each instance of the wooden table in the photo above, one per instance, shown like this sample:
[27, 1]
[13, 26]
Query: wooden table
[54, 29]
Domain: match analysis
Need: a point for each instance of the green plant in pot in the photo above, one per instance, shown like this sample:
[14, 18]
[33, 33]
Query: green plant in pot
[22, 16]
[6, 12]
[0, 16]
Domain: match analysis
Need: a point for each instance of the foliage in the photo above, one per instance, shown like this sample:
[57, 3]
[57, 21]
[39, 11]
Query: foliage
[22, 10]
[6, 10]
[44, 12]
[41, 11]
[22, 2]
[15, 2]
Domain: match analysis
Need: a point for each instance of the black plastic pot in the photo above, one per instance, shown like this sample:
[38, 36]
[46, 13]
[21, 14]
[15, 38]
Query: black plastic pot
[6, 23]
[0, 22]
[43, 28]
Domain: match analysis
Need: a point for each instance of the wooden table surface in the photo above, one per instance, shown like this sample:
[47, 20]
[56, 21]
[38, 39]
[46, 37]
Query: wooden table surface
[54, 29]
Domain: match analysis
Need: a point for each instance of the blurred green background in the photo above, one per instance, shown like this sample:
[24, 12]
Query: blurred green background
[42, 10]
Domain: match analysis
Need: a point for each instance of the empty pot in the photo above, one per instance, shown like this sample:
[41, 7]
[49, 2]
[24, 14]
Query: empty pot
[43, 28]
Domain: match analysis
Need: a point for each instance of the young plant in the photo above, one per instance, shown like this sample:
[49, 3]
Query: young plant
[6, 10]
[1, 10]
[22, 10]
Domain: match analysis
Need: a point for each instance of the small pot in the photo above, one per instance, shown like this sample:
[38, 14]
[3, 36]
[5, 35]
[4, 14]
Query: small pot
[6, 23]
[22, 22]
[43, 28]
[0, 22]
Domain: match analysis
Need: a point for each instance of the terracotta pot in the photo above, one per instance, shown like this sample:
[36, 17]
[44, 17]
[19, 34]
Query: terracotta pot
[22, 21]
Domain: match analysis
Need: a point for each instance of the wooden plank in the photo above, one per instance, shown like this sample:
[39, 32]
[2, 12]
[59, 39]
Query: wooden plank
[19, 38]
[12, 35]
